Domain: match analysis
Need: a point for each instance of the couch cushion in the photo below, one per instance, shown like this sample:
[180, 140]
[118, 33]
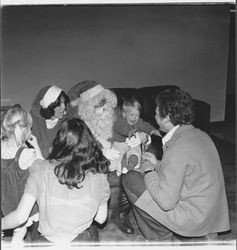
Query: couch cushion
[202, 115]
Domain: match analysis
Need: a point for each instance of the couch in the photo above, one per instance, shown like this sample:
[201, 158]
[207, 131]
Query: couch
[146, 96]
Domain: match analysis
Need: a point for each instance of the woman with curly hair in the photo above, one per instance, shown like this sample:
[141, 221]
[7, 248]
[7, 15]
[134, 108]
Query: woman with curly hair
[48, 110]
[183, 195]
[71, 188]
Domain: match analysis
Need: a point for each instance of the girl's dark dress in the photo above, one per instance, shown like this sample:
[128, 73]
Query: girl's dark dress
[13, 180]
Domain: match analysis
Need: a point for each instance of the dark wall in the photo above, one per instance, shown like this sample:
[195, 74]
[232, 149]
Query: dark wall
[230, 109]
[119, 46]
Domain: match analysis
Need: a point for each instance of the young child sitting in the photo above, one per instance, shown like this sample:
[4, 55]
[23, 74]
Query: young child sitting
[125, 127]
[16, 158]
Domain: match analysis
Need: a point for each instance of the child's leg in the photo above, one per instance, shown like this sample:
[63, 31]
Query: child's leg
[122, 148]
[134, 158]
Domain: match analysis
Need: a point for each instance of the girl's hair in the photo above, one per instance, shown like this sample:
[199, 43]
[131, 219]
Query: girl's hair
[77, 151]
[48, 113]
[16, 123]
[177, 104]
[132, 102]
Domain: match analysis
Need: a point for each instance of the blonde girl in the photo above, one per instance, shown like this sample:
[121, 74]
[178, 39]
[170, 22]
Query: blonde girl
[16, 158]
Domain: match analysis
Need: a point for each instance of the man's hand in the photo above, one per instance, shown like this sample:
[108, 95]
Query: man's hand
[111, 153]
[147, 156]
[150, 160]
[146, 165]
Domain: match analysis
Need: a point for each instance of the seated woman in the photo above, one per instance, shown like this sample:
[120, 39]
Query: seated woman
[16, 158]
[48, 110]
[71, 188]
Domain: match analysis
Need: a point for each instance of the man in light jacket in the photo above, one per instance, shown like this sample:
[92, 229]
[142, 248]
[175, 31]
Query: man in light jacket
[184, 193]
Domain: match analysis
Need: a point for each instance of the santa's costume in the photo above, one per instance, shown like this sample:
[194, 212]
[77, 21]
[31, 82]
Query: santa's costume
[96, 105]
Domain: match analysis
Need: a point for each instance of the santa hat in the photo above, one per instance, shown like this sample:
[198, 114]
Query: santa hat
[50, 96]
[84, 90]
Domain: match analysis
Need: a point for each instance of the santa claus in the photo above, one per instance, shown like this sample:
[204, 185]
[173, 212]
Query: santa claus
[96, 106]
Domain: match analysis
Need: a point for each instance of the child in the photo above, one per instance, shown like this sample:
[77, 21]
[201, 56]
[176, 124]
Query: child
[125, 127]
[16, 158]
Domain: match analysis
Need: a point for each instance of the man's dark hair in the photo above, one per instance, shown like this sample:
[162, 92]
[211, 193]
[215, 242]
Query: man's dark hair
[48, 113]
[177, 104]
[78, 152]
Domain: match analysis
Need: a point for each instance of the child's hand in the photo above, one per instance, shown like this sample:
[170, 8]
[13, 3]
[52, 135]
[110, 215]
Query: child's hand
[156, 132]
[133, 141]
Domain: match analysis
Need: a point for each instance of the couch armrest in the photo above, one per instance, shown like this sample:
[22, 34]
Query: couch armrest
[202, 115]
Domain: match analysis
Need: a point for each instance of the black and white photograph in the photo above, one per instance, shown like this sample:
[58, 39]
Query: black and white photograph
[118, 124]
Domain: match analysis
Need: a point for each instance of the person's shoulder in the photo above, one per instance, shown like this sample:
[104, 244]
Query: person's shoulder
[140, 121]
[141, 124]
[38, 167]
[101, 177]
[120, 121]
[187, 131]
[189, 137]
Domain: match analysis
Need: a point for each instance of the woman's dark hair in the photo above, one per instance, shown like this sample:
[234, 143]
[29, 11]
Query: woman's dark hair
[48, 113]
[78, 152]
[177, 104]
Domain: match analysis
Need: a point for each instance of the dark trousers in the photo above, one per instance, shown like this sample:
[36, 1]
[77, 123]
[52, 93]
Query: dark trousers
[134, 185]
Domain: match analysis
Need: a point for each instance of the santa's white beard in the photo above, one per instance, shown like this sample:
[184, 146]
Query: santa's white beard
[101, 125]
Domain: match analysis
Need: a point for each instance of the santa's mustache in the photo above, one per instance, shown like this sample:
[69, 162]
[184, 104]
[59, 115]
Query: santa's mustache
[102, 125]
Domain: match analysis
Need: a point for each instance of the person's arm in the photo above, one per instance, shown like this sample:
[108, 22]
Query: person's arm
[121, 128]
[34, 142]
[155, 132]
[101, 214]
[21, 214]
[165, 185]
[145, 127]
[27, 158]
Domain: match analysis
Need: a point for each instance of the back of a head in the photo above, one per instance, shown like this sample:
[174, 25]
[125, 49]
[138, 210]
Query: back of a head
[72, 136]
[15, 124]
[177, 104]
[77, 150]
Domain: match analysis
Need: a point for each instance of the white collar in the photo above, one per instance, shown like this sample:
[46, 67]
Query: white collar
[51, 123]
[168, 136]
